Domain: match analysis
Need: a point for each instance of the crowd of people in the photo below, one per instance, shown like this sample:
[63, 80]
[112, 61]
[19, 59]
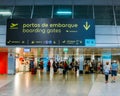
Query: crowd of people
[63, 67]
[74, 65]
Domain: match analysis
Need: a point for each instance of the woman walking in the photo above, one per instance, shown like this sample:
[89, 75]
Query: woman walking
[106, 71]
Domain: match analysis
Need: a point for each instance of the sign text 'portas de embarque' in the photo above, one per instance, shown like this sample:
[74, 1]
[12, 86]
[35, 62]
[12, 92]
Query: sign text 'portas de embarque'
[74, 32]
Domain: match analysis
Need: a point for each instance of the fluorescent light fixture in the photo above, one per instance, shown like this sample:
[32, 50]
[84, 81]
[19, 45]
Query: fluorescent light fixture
[64, 12]
[5, 13]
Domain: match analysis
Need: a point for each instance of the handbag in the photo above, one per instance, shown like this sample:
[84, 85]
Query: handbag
[106, 73]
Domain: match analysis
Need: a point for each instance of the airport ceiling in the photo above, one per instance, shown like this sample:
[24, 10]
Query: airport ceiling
[59, 2]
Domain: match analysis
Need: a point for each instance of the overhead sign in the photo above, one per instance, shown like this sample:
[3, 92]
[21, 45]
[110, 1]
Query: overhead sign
[76, 32]
[65, 49]
[106, 55]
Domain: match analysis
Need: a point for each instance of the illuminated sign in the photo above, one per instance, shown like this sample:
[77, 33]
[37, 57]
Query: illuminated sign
[27, 50]
[43, 31]
[65, 49]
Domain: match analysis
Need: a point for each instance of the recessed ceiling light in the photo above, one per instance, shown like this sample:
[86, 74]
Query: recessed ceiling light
[5, 13]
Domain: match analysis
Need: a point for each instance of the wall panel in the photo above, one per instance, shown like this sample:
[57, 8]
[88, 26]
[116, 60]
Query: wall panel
[2, 29]
[105, 29]
[107, 39]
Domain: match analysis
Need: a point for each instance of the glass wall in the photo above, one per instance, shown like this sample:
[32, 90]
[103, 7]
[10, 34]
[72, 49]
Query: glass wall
[5, 13]
[42, 12]
[22, 12]
[104, 15]
[117, 11]
[83, 12]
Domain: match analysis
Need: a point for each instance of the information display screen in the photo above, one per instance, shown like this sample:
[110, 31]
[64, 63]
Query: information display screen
[27, 50]
[45, 31]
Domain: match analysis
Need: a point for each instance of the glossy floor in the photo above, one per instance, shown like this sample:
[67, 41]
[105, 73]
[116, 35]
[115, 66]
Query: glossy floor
[100, 88]
[45, 84]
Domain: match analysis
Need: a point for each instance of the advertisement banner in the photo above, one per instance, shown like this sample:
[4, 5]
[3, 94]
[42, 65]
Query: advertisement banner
[106, 57]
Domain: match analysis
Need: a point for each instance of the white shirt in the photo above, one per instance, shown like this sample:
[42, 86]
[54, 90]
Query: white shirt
[106, 68]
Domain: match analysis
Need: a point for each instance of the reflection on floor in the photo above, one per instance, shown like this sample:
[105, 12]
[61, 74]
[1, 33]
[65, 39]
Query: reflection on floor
[41, 84]
[45, 84]
[100, 88]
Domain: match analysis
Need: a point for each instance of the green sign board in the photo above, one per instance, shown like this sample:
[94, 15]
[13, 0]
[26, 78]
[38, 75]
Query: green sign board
[65, 49]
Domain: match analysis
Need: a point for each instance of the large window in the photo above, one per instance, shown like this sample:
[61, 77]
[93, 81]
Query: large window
[5, 13]
[62, 11]
[104, 15]
[117, 14]
[22, 12]
[83, 12]
[42, 12]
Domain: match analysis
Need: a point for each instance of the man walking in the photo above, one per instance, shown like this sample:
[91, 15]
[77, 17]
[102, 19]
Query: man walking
[114, 69]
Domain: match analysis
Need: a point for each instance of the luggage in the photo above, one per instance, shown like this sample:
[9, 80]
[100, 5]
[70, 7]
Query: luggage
[33, 71]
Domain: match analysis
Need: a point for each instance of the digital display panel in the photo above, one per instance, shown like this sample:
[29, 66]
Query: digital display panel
[45, 31]
[27, 50]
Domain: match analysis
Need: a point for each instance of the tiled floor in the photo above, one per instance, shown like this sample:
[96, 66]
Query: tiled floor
[100, 88]
[44, 84]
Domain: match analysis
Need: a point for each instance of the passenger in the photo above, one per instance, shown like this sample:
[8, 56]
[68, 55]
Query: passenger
[72, 65]
[61, 68]
[87, 69]
[41, 66]
[106, 71]
[54, 66]
[101, 67]
[114, 69]
[90, 67]
[48, 66]
[98, 68]
[65, 68]
[76, 66]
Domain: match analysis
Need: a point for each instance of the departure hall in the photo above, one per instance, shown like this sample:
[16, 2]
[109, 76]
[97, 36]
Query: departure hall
[59, 48]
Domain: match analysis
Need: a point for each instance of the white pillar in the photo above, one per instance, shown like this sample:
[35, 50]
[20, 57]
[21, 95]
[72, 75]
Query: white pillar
[81, 60]
[45, 55]
[11, 61]
[51, 55]
[60, 53]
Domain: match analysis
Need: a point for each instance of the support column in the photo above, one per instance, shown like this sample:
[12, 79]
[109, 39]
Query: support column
[11, 61]
[51, 55]
[65, 53]
[45, 58]
[56, 54]
[60, 53]
[81, 61]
